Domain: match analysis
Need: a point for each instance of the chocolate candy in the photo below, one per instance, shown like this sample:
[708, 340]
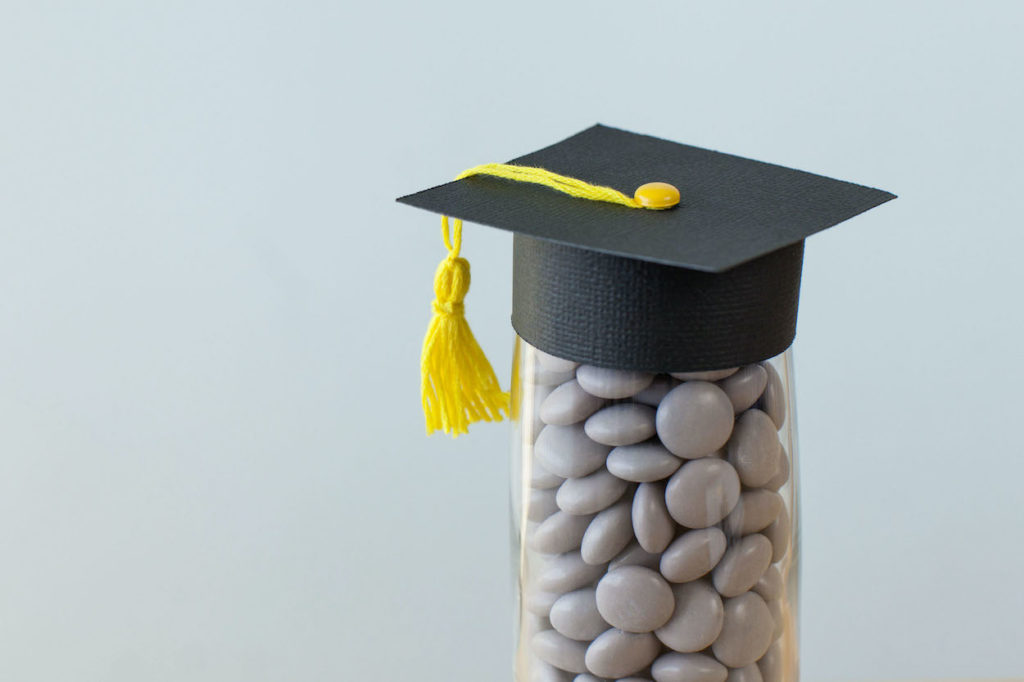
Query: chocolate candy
[616, 653]
[688, 668]
[742, 566]
[652, 524]
[643, 462]
[558, 650]
[697, 620]
[693, 554]
[746, 631]
[702, 492]
[560, 532]
[745, 386]
[754, 448]
[567, 452]
[635, 599]
[694, 419]
[575, 615]
[569, 404]
[621, 424]
[612, 383]
[590, 494]
[608, 534]
[657, 540]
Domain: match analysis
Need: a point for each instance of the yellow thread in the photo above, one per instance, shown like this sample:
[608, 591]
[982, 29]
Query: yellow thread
[562, 183]
[457, 382]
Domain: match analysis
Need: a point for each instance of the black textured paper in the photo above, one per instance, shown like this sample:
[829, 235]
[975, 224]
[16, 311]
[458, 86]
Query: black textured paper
[732, 210]
[631, 314]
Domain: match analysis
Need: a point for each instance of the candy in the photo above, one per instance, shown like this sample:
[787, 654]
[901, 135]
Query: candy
[560, 532]
[746, 631]
[616, 653]
[694, 419]
[652, 524]
[567, 452]
[621, 424]
[742, 566]
[612, 383]
[693, 554]
[655, 526]
[575, 615]
[590, 494]
[569, 404]
[688, 668]
[697, 620]
[608, 534]
[643, 462]
[635, 599]
[702, 492]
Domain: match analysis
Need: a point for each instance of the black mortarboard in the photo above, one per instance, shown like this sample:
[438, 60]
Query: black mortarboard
[713, 282]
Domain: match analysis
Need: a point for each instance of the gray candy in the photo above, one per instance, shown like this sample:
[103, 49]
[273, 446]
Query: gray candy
[567, 452]
[590, 494]
[539, 602]
[697, 620]
[560, 532]
[621, 424]
[635, 555]
[575, 615]
[587, 677]
[693, 554]
[544, 672]
[745, 386]
[755, 511]
[608, 534]
[770, 585]
[635, 599]
[612, 383]
[783, 469]
[553, 363]
[567, 572]
[542, 479]
[652, 523]
[551, 371]
[643, 462]
[702, 492]
[653, 394]
[742, 566]
[750, 673]
[773, 400]
[771, 664]
[541, 504]
[712, 375]
[616, 654]
[558, 650]
[775, 608]
[533, 397]
[569, 404]
[674, 667]
[746, 633]
[754, 448]
[694, 419]
[779, 533]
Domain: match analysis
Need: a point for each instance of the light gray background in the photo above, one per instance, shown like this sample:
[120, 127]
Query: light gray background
[212, 462]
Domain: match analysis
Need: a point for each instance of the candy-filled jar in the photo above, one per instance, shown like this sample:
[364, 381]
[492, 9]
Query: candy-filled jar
[655, 521]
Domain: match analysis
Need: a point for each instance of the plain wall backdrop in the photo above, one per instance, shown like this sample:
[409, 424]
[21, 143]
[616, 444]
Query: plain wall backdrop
[212, 459]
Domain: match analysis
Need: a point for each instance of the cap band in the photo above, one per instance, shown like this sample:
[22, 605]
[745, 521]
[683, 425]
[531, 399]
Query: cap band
[631, 314]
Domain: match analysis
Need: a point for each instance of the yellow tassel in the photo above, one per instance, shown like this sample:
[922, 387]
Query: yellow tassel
[457, 381]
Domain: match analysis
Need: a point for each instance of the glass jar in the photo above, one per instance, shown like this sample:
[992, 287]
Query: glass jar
[655, 522]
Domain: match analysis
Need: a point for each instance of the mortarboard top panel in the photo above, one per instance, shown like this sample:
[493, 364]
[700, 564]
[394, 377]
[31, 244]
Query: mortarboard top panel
[732, 209]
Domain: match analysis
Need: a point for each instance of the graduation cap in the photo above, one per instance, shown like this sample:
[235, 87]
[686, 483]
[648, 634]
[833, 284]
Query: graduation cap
[630, 252]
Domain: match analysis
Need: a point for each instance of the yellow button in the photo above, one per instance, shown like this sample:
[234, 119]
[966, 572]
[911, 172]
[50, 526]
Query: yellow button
[656, 195]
